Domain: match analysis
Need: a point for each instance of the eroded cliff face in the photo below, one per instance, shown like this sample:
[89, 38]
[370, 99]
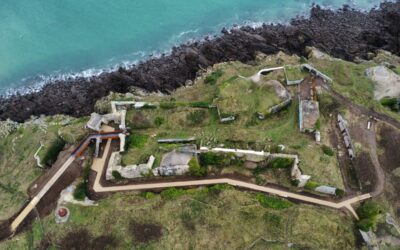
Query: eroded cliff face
[344, 34]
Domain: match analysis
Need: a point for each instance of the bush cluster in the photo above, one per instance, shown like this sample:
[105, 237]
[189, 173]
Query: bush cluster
[327, 150]
[213, 77]
[392, 103]
[117, 175]
[281, 163]
[272, 202]
[368, 213]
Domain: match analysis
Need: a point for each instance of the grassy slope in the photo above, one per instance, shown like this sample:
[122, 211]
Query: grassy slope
[17, 164]
[232, 220]
[245, 132]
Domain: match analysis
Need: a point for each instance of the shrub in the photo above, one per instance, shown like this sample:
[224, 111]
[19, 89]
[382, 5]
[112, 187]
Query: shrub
[52, 152]
[368, 213]
[80, 191]
[392, 103]
[117, 175]
[172, 193]
[365, 224]
[213, 77]
[272, 202]
[368, 209]
[196, 116]
[388, 101]
[281, 163]
[158, 121]
[339, 192]
[295, 182]
[168, 105]
[327, 150]
[195, 169]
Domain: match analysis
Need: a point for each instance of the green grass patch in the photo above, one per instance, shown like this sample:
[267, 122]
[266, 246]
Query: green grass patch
[172, 193]
[136, 140]
[311, 185]
[272, 202]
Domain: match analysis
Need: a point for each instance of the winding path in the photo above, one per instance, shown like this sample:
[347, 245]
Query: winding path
[99, 165]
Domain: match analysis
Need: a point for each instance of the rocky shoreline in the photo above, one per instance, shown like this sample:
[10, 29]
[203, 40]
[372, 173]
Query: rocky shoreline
[346, 33]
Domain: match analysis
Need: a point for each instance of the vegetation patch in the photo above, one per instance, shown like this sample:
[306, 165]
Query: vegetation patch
[368, 213]
[392, 103]
[52, 151]
[172, 193]
[272, 202]
[327, 150]
[213, 77]
[136, 140]
[195, 169]
[281, 163]
[117, 175]
[196, 117]
[311, 185]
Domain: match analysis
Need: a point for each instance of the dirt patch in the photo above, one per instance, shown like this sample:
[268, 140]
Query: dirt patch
[145, 232]
[82, 239]
[389, 142]
[5, 231]
[49, 200]
[365, 172]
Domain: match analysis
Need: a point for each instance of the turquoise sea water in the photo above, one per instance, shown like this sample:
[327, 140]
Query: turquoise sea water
[54, 38]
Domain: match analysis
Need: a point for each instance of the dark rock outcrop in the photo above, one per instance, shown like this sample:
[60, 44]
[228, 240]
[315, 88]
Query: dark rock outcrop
[345, 33]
